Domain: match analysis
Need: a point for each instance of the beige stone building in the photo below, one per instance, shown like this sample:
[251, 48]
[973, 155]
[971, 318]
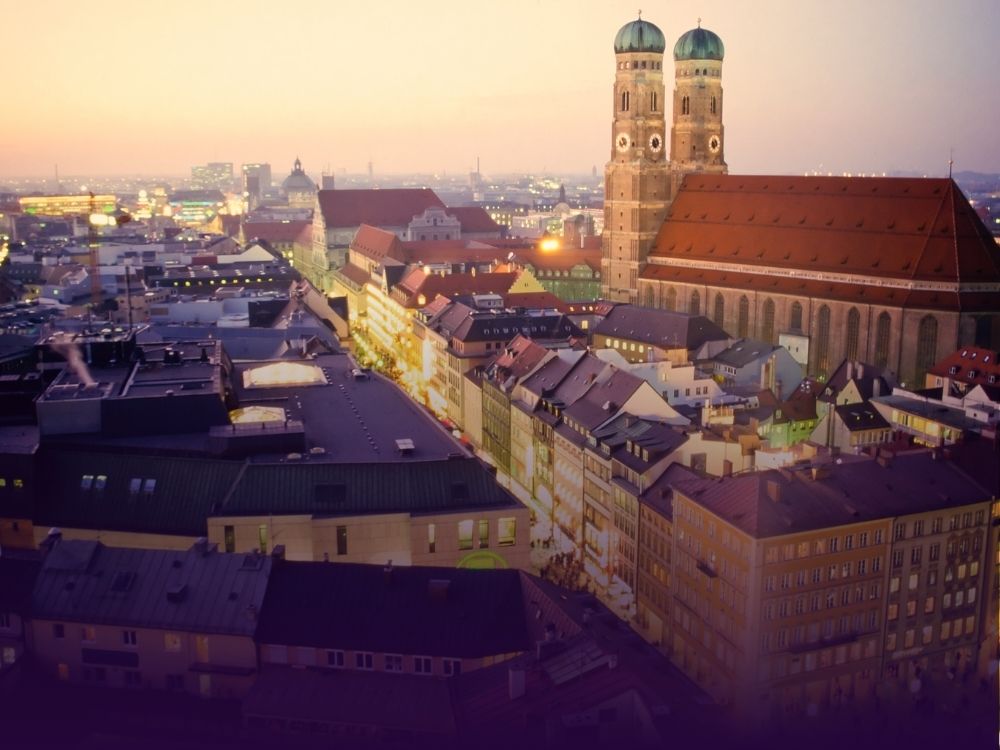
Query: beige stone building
[171, 620]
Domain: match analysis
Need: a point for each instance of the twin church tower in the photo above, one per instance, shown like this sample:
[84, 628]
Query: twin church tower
[640, 181]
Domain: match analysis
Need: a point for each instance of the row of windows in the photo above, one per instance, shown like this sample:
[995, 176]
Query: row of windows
[962, 598]
[13, 482]
[792, 550]
[956, 521]
[781, 639]
[477, 533]
[951, 573]
[817, 602]
[640, 65]
[953, 547]
[949, 629]
[832, 573]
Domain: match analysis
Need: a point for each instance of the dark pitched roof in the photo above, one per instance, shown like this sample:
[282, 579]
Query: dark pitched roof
[861, 416]
[856, 490]
[180, 502]
[339, 489]
[199, 590]
[863, 375]
[379, 208]
[404, 611]
[743, 352]
[661, 328]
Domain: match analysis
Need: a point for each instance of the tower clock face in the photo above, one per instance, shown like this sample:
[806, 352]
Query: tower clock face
[714, 144]
[655, 143]
[622, 142]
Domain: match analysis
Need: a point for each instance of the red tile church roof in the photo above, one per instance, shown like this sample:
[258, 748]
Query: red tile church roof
[906, 229]
[382, 208]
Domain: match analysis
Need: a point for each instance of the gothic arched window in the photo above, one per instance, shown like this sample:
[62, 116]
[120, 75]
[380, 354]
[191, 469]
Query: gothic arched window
[823, 340]
[926, 346]
[694, 303]
[796, 317]
[853, 329]
[652, 102]
[743, 324]
[719, 315]
[685, 105]
[624, 101]
[882, 340]
[713, 105]
[767, 329]
[671, 299]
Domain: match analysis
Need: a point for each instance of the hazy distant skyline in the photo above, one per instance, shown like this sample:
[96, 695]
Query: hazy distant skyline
[110, 88]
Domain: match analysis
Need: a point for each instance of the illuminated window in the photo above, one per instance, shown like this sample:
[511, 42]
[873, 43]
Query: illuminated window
[465, 534]
[506, 531]
[431, 537]
[172, 641]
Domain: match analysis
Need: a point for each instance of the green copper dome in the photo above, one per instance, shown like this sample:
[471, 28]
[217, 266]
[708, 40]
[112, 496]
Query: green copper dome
[699, 44]
[639, 36]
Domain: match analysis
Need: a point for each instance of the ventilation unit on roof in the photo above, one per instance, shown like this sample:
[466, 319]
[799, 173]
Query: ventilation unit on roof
[405, 446]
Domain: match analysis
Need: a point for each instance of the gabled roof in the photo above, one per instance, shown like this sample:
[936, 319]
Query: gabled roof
[863, 375]
[376, 244]
[279, 231]
[200, 590]
[661, 328]
[535, 301]
[418, 282]
[473, 219]
[971, 365]
[405, 610]
[898, 228]
[394, 207]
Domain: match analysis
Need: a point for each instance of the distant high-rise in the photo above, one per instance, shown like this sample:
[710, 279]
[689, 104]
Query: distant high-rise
[215, 175]
[256, 182]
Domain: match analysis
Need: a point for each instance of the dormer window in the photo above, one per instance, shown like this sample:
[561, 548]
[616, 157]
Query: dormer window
[953, 370]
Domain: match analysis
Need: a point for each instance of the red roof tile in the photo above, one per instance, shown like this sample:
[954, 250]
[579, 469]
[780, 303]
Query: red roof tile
[908, 229]
[279, 231]
[376, 244]
[474, 219]
[380, 208]
[970, 365]
[417, 283]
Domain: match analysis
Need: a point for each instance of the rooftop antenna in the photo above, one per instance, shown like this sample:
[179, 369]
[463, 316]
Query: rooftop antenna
[951, 160]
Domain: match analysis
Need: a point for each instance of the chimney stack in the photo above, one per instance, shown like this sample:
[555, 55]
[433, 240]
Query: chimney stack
[516, 682]
[774, 490]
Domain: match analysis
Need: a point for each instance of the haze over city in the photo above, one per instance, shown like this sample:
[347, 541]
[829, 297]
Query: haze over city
[524, 85]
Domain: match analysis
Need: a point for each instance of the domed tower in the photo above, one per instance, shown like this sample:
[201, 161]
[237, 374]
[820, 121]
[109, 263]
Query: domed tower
[299, 188]
[636, 179]
[697, 139]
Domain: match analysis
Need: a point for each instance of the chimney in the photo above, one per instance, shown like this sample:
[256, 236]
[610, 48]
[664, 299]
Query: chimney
[774, 490]
[877, 388]
[850, 370]
[200, 546]
[861, 371]
[516, 686]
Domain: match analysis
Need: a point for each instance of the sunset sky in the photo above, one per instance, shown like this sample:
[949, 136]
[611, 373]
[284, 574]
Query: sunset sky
[106, 87]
